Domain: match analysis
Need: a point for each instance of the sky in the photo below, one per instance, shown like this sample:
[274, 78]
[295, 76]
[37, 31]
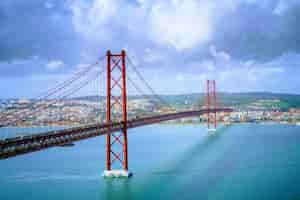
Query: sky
[245, 45]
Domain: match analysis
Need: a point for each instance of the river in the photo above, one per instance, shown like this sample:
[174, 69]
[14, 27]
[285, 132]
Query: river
[242, 161]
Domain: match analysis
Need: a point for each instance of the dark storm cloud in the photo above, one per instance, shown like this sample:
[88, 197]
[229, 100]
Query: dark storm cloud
[256, 32]
[36, 28]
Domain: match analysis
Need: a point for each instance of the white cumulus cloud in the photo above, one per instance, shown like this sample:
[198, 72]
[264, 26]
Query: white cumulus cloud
[181, 24]
[171, 23]
[92, 19]
[55, 64]
[219, 55]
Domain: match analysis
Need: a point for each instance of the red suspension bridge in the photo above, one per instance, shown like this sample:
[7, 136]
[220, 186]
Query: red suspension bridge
[59, 111]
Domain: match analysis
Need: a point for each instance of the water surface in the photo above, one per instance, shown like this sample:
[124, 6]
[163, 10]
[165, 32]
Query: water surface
[247, 161]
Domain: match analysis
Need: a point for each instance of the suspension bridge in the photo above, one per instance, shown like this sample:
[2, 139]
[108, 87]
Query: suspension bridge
[61, 116]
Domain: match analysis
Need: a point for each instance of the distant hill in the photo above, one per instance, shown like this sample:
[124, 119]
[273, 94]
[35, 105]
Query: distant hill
[281, 101]
[241, 100]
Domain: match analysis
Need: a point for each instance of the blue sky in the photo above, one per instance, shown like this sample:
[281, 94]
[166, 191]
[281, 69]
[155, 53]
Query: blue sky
[246, 45]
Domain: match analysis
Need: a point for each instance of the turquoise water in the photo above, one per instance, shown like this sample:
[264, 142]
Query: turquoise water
[247, 161]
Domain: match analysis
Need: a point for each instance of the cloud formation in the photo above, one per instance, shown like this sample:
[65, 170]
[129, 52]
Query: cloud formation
[55, 64]
[183, 39]
[257, 31]
[180, 24]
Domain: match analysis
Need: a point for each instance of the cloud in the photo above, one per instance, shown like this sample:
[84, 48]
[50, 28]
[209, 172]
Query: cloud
[21, 67]
[151, 56]
[178, 24]
[32, 66]
[55, 64]
[192, 24]
[263, 30]
[280, 8]
[232, 39]
[284, 5]
[220, 56]
[237, 76]
[181, 24]
[91, 19]
[41, 31]
[256, 78]
[49, 4]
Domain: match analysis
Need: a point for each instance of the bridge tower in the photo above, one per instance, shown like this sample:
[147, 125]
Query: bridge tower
[211, 103]
[116, 111]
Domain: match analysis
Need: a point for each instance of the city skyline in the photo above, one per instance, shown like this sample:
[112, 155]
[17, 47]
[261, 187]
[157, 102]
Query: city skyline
[246, 45]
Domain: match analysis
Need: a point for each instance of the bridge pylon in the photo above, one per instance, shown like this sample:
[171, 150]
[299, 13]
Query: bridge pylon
[116, 111]
[211, 104]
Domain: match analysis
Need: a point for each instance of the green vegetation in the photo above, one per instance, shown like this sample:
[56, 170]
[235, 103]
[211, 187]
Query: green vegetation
[281, 102]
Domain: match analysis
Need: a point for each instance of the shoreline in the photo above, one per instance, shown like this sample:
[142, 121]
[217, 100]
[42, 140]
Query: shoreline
[168, 123]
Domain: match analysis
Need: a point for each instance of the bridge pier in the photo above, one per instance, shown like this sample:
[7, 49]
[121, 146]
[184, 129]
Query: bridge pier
[116, 143]
[121, 173]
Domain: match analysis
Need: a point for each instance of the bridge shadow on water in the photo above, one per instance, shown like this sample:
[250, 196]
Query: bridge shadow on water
[192, 153]
[191, 172]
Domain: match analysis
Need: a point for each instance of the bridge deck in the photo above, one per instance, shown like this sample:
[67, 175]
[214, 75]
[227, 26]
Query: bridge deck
[26, 144]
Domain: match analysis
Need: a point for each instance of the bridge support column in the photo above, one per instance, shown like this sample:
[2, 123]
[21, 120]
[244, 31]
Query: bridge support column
[116, 111]
[211, 103]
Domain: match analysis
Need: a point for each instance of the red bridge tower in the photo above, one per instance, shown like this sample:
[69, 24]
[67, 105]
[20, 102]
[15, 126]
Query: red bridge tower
[211, 103]
[116, 143]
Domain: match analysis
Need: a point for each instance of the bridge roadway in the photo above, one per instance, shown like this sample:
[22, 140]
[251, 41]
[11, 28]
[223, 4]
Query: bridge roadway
[25, 144]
